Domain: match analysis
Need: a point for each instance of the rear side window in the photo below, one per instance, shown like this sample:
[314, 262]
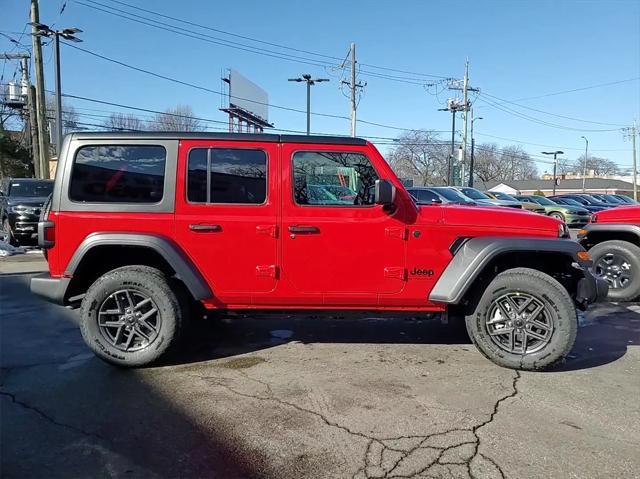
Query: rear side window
[227, 176]
[118, 174]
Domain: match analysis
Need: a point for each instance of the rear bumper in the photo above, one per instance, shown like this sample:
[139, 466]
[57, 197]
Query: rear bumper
[51, 289]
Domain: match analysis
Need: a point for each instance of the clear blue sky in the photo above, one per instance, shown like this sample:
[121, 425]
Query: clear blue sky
[516, 50]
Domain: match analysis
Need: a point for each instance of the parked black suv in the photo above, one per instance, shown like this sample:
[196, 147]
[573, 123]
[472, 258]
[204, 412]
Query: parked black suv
[21, 200]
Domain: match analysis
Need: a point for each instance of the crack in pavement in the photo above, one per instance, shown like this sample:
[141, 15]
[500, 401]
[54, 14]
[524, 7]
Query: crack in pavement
[48, 418]
[402, 456]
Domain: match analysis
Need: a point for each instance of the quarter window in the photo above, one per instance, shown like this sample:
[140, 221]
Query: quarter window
[118, 174]
[326, 178]
[227, 175]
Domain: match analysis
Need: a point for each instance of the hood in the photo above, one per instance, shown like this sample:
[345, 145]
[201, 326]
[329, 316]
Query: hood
[621, 214]
[498, 219]
[26, 201]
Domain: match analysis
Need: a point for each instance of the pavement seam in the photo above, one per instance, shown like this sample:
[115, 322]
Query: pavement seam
[48, 418]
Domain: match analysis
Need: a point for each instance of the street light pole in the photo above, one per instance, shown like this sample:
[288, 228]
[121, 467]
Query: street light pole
[68, 34]
[555, 166]
[584, 169]
[309, 81]
[473, 146]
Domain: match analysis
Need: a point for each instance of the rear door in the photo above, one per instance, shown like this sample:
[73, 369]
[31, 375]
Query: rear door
[226, 215]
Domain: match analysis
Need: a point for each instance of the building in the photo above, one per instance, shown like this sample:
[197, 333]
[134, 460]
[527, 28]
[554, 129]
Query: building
[529, 187]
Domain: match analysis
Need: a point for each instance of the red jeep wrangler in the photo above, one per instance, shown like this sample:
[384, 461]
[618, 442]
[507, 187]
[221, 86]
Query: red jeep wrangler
[613, 239]
[143, 225]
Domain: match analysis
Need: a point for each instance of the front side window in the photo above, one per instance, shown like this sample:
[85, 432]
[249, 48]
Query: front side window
[227, 176]
[118, 174]
[325, 178]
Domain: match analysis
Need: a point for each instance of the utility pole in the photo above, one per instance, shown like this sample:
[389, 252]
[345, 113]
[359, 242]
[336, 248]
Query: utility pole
[465, 107]
[309, 81]
[67, 34]
[41, 106]
[555, 166]
[584, 168]
[353, 86]
[32, 122]
[473, 145]
[633, 133]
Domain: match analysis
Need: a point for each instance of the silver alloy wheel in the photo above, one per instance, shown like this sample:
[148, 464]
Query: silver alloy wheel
[616, 269]
[129, 320]
[520, 323]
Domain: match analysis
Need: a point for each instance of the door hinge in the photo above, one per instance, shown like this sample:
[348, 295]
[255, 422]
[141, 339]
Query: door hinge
[268, 271]
[395, 272]
[269, 230]
[396, 232]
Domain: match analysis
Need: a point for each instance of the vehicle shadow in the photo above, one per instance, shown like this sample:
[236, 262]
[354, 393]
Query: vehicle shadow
[603, 338]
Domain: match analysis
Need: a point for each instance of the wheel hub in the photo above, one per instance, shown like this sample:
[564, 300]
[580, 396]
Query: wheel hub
[615, 269]
[520, 323]
[129, 320]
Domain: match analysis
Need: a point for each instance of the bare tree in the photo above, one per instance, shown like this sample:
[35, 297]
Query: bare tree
[180, 118]
[70, 117]
[122, 122]
[599, 166]
[420, 153]
[509, 163]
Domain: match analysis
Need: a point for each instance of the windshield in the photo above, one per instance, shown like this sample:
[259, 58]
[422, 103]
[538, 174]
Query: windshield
[503, 196]
[541, 200]
[451, 195]
[30, 189]
[569, 201]
[474, 194]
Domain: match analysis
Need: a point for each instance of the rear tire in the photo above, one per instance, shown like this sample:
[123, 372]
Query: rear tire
[619, 263]
[131, 316]
[524, 320]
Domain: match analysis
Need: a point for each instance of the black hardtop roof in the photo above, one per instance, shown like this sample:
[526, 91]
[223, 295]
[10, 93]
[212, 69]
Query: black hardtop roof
[177, 135]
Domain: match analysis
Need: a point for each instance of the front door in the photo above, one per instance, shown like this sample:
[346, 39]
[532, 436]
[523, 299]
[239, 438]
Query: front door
[338, 247]
[226, 215]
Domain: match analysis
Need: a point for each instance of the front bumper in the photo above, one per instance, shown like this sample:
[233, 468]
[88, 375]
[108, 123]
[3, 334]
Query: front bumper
[24, 225]
[576, 220]
[591, 288]
[51, 289]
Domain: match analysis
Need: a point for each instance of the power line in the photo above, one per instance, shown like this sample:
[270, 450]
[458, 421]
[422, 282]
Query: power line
[599, 85]
[537, 120]
[277, 45]
[503, 101]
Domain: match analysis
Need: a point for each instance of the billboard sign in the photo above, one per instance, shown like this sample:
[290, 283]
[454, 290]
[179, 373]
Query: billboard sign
[248, 96]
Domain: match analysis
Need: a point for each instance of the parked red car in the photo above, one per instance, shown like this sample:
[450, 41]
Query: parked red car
[141, 226]
[613, 239]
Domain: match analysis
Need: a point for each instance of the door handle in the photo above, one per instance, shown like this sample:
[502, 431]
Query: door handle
[304, 229]
[205, 228]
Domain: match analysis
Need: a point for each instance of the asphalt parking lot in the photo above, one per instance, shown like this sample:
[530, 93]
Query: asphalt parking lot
[281, 397]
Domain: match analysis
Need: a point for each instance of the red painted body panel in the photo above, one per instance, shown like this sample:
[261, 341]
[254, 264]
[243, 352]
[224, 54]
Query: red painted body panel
[621, 214]
[360, 258]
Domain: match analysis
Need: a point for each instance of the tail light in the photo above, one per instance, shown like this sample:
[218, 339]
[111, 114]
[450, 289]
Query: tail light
[46, 234]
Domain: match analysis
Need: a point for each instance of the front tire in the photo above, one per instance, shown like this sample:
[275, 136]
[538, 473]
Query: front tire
[557, 215]
[524, 320]
[619, 263]
[131, 316]
[7, 234]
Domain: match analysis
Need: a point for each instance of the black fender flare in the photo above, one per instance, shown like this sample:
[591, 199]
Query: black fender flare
[583, 236]
[475, 254]
[185, 270]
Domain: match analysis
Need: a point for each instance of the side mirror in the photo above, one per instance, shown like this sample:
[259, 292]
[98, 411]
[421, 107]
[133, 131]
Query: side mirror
[385, 193]
[436, 201]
